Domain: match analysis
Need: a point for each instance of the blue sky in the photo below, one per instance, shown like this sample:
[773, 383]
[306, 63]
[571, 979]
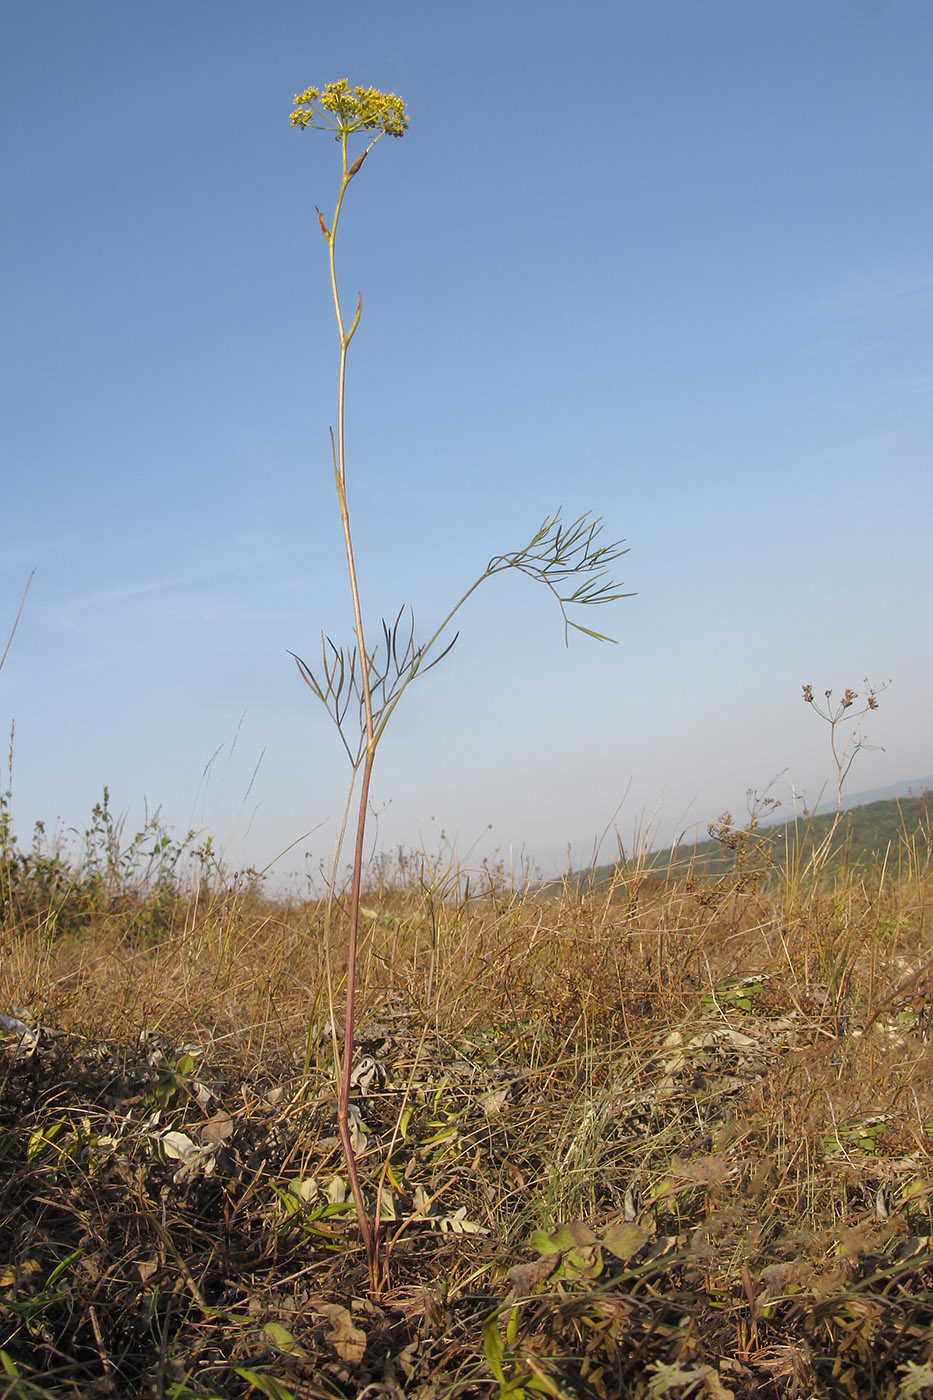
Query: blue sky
[670, 263]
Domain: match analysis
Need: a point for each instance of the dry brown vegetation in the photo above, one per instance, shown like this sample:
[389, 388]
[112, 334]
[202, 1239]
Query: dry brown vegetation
[645, 1139]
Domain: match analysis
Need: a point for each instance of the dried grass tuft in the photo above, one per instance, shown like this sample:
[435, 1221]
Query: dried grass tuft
[655, 1137]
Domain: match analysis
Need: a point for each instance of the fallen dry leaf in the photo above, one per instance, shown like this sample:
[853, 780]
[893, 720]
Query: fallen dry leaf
[348, 1340]
[217, 1129]
[525, 1278]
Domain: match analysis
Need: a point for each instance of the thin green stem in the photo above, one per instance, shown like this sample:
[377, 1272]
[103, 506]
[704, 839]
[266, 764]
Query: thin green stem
[416, 666]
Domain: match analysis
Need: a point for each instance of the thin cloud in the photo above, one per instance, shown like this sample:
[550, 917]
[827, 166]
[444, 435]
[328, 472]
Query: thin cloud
[863, 311]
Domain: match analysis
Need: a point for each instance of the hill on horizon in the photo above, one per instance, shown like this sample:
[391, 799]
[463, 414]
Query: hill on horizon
[867, 836]
[915, 787]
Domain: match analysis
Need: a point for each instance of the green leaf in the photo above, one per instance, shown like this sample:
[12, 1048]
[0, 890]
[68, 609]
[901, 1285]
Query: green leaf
[266, 1385]
[563, 1237]
[543, 1243]
[279, 1336]
[584, 1261]
[597, 636]
[62, 1268]
[493, 1349]
[288, 1199]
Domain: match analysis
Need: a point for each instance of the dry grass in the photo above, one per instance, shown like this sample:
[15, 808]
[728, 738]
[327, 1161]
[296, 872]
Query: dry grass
[672, 1138]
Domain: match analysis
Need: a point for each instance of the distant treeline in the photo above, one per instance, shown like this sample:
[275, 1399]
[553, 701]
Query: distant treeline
[864, 839]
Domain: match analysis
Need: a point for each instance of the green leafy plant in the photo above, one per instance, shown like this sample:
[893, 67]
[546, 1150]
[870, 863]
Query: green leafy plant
[16, 1386]
[148, 880]
[265, 1384]
[361, 684]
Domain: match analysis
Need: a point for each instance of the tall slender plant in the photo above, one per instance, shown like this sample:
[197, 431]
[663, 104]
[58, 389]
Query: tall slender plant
[846, 740]
[361, 684]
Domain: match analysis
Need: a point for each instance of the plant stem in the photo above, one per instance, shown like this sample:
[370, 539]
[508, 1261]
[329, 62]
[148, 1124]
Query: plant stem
[368, 1229]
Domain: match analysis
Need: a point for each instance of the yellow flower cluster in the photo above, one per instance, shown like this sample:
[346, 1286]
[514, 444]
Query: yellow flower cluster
[339, 109]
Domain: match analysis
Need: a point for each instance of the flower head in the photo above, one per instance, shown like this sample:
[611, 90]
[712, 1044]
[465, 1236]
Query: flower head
[338, 109]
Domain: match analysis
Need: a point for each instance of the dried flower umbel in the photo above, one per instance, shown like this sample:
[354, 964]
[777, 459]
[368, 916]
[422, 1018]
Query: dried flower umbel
[844, 745]
[365, 681]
